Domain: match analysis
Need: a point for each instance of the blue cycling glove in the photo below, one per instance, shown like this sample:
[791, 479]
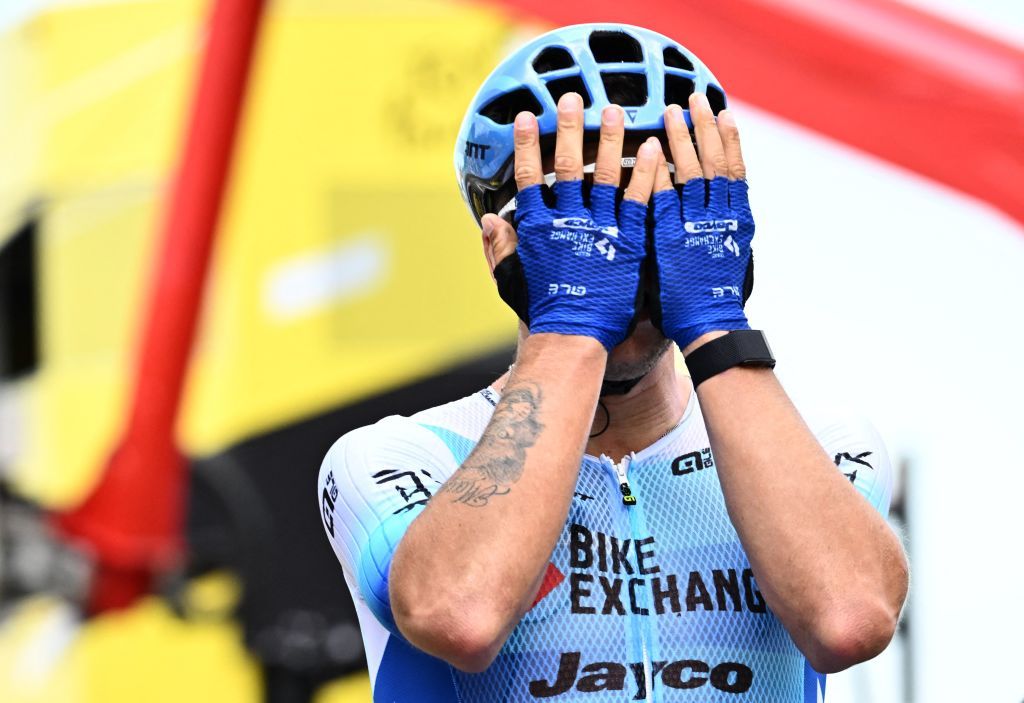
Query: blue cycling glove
[702, 259]
[576, 270]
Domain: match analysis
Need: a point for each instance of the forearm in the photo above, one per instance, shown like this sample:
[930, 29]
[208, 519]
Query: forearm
[470, 564]
[829, 566]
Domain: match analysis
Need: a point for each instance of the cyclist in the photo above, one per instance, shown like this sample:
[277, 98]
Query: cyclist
[593, 526]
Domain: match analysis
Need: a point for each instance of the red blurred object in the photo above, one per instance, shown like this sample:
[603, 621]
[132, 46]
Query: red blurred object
[897, 82]
[133, 518]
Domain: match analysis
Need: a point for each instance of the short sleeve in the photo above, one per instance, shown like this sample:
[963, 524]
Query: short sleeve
[858, 451]
[373, 483]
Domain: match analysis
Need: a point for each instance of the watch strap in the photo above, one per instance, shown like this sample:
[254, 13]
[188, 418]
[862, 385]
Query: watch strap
[737, 348]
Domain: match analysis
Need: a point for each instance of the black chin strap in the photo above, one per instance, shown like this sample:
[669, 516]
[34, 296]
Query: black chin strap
[619, 387]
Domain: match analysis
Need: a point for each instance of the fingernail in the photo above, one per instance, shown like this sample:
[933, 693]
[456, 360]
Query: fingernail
[675, 113]
[487, 225]
[570, 102]
[524, 119]
[726, 117]
[647, 148]
[611, 115]
[702, 100]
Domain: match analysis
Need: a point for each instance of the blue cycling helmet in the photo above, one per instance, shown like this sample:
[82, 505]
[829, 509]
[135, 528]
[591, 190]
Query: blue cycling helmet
[640, 70]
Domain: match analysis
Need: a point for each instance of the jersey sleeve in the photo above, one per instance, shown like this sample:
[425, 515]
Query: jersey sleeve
[858, 451]
[373, 483]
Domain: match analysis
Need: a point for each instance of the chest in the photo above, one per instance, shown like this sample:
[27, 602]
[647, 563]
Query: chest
[653, 538]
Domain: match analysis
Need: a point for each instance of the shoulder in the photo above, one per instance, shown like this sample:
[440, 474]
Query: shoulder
[373, 481]
[858, 451]
[467, 416]
[393, 438]
[376, 479]
[385, 467]
[401, 452]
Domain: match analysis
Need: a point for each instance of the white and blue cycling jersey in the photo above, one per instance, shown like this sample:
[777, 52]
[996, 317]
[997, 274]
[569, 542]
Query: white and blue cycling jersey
[653, 601]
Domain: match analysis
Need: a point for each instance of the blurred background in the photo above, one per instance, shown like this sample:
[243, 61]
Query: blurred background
[230, 232]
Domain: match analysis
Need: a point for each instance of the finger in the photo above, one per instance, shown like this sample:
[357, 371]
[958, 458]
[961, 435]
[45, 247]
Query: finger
[642, 179]
[530, 204]
[608, 167]
[739, 200]
[666, 210]
[662, 178]
[568, 197]
[718, 195]
[527, 151]
[502, 238]
[694, 193]
[569, 138]
[684, 156]
[602, 203]
[730, 135]
[709, 142]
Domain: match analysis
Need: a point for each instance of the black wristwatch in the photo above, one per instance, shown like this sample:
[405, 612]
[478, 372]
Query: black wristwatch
[738, 348]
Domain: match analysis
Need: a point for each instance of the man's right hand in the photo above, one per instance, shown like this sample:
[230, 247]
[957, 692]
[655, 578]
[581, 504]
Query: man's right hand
[576, 267]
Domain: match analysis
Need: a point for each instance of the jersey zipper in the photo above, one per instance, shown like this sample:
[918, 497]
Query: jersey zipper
[628, 499]
[641, 625]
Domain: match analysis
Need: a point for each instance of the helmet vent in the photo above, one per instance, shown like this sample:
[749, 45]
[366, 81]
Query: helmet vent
[615, 47]
[625, 89]
[570, 84]
[504, 108]
[677, 90]
[552, 59]
[674, 58]
[716, 99]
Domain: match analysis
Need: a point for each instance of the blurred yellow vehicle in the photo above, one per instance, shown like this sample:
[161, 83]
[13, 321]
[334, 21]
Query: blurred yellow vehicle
[337, 212]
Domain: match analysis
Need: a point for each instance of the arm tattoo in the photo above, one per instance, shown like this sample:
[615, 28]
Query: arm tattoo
[497, 461]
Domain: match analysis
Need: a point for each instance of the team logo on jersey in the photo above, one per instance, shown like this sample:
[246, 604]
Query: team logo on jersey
[410, 486]
[629, 580]
[694, 461]
[327, 498]
[853, 459]
[552, 577]
[728, 677]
